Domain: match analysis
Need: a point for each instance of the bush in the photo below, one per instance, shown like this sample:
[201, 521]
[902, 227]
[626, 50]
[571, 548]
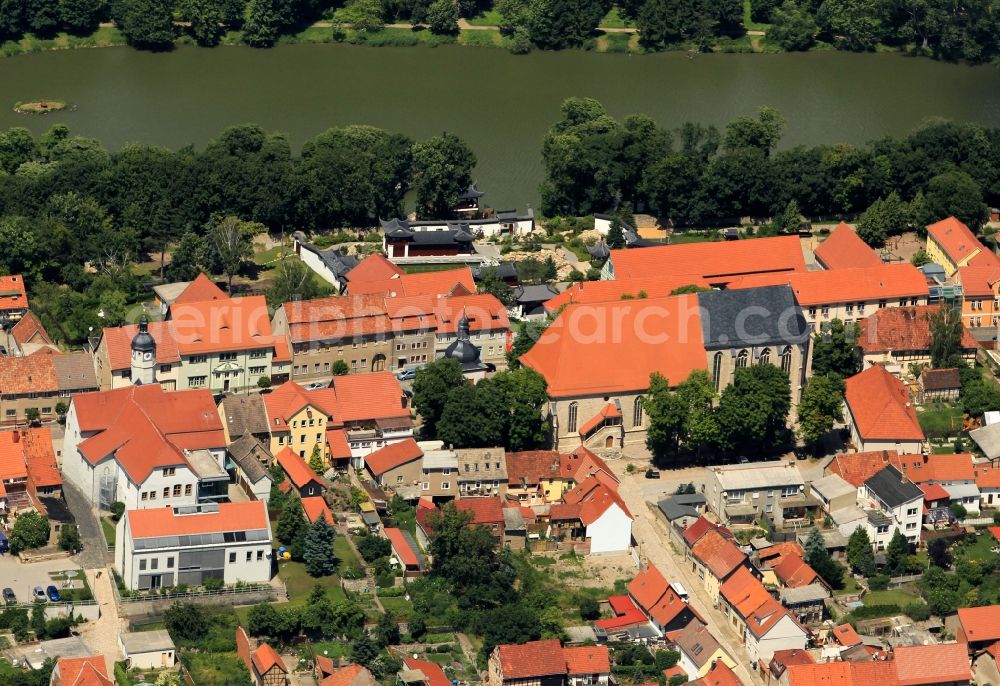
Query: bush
[958, 509]
[589, 609]
[31, 530]
[69, 538]
[879, 582]
[117, 510]
[918, 612]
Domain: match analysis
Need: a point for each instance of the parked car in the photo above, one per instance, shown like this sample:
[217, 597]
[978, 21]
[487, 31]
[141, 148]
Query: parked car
[9, 597]
[4, 543]
[407, 374]
[53, 594]
[744, 459]
[3, 350]
[652, 474]
[316, 386]
[800, 454]
[38, 593]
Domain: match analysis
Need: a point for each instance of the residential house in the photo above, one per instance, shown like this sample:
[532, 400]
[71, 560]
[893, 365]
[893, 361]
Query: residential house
[699, 650]
[314, 508]
[420, 673]
[300, 476]
[80, 671]
[28, 336]
[145, 447]
[955, 473]
[13, 298]
[593, 292]
[978, 627]
[396, 464]
[530, 300]
[847, 294]
[714, 557]
[834, 493]
[547, 663]
[747, 492]
[221, 344]
[988, 482]
[841, 673]
[941, 664]
[890, 502]
[682, 510]
[374, 267]
[587, 665]
[898, 337]
[952, 244]
[304, 422]
[41, 381]
[29, 474]
[200, 289]
[843, 249]
[716, 263]
[486, 512]
[406, 552]
[481, 472]
[937, 505]
[939, 384]
[535, 477]
[351, 675]
[594, 511]
[250, 460]
[448, 282]
[329, 264]
[719, 674]
[244, 414]
[794, 572]
[147, 649]
[170, 546]
[659, 602]
[806, 603]
[596, 383]
[880, 414]
[760, 621]
[263, 662]
[857, 468]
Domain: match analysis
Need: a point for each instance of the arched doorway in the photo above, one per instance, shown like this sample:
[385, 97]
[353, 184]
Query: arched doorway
[378, 363]
[609, 442]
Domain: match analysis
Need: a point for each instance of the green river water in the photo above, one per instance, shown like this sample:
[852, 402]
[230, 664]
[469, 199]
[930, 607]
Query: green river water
[499, 103]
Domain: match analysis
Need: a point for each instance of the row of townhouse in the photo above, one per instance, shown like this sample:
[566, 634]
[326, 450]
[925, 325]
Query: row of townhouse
[940, 664]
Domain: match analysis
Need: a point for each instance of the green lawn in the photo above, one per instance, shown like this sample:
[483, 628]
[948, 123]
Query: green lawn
[850, 586]
[894, 597]
[940, 419]
[614, 20]
[678, 237]
[270, 255]
[980, 550]
[331, 649]
[399, 606]
[487, 18]
[345, 553]
[74, 594]
[109, 530]
[749, 23]
[215, 669]
[300, 584]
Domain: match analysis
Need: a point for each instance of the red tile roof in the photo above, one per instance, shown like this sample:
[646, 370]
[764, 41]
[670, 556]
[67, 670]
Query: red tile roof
[29, 329]
[163, 521]
[777, 552]
[290, 398]
[484, 510]
[145, 427]
[857, 468]
[375, 395]
[626, 614]
[609, 411]
[697, 529]
[718, 553]
[83, 671]
[392, 456]
[933, 493]
[266, 658]
[782, 659]
[980, 280]
[932, 664]
[843, 249]
[648, 586]
[937, 468]
[336, 443]
[374, 268]
[346, 676]
[40, 458]
[118, 341]
[434, 675]
[402, 547]
[676, 670]
[980, 623]
[439, 283]
[594, 499]
[578, 351]
[881, 407]
[12, 295]
[902, 329]
[586, 660]
[299, 473]
[581, 463]
[863, 284]
[589, 292]
[200, 290]
[846, 636]
[842, 674]
[532, 659]
[744, 591]
[221, 325]
[315, 507]
[32, 374]
[529, 467]
[955, 238]
[987, 477]
[12, 459]
[717, 263]
[793, 572]
[719, 675]
[325, 665]
[484, 311]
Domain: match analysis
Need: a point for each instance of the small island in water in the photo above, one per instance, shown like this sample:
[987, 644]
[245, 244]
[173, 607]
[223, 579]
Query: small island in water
[39, 107]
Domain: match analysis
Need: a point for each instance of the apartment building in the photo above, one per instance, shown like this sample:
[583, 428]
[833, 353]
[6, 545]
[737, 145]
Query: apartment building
[745, 492]
[890, 501]
[41, 382]
[880, 414]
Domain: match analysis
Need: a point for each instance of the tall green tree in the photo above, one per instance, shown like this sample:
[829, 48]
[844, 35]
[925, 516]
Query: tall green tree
[946, 337]
[231, 240]
[293, 280]
[859, 552]
[263, 22]
[897, 554]
[753, 410]
[956, 193]
[431, 386]
[793, 26]
[820, 406]
[80, 16]
[818, 557]
[206, 18]
[31, 530]
[189, 258]
[835, 350]
[556, 24]
[443, 168]
[442, 17]
[387, 631]
[317, 549]
[855, 23]
[884, 217]
[667, 414]
[292, 526]
[149, 24]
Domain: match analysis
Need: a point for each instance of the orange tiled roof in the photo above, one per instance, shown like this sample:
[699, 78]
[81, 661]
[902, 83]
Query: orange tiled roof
[718, 553]
[437, 283]
[163, 521]
[290, 398]
[532, 659]
[345, 676]
[937, 468]
[375, 395]
[336, 443]
[719, 675]
[777, 552]
[933, 493]
[484, 311]
[200, 290]
[266, 658]
[587, 660]
[220, 325]
[699, 528]
[648, 586]
[585, 342]
[794, 572]
[766, 616]
[83, 671]
[12, 463]
[374, 268]
[531, 466]
[717, 263]
[842, 674]
[608, 411]
[299, 473]
[902, 329]
[980, 623]
[392, 456]
[881, 407]
[402, 547]
[118, 341]
[435, 676]
[932, 664]
[955, 238]
[845, 285]
[28, 328]
[315, 507]
[980, 279]
[484, 510]
[857, 468]
[846, 636]
[40, 458]
[12, 294]
[744, 592]
[843, 249]
[581, 463]
[987, 477]
[594, 499]
[32, 374]
[590, 292]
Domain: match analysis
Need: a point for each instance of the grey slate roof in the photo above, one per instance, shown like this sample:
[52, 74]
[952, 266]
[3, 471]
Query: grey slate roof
[471, 193]
[751, 317]
[504, 271]
[689, 499]
[673, 510]
[535, 294]
[599, 250]
[247, 452]
[75, 371]
[513, 520]
[244, 414]
[804, 594]
[448, 237]
[337, 262]
[891, 488]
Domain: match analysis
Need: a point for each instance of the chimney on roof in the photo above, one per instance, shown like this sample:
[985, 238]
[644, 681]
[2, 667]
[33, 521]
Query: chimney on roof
[17, 436]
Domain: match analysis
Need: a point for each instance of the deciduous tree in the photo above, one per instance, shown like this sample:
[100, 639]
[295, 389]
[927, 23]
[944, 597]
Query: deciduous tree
[835, 350]
[149, 24]
[443, 169]
[820, 406]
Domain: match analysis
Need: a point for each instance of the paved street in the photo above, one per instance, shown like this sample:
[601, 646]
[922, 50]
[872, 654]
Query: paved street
[102, 635]
[650, 532]
[94, 554]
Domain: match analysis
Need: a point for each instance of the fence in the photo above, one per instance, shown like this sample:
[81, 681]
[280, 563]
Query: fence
[977, 521]
[156, 604]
